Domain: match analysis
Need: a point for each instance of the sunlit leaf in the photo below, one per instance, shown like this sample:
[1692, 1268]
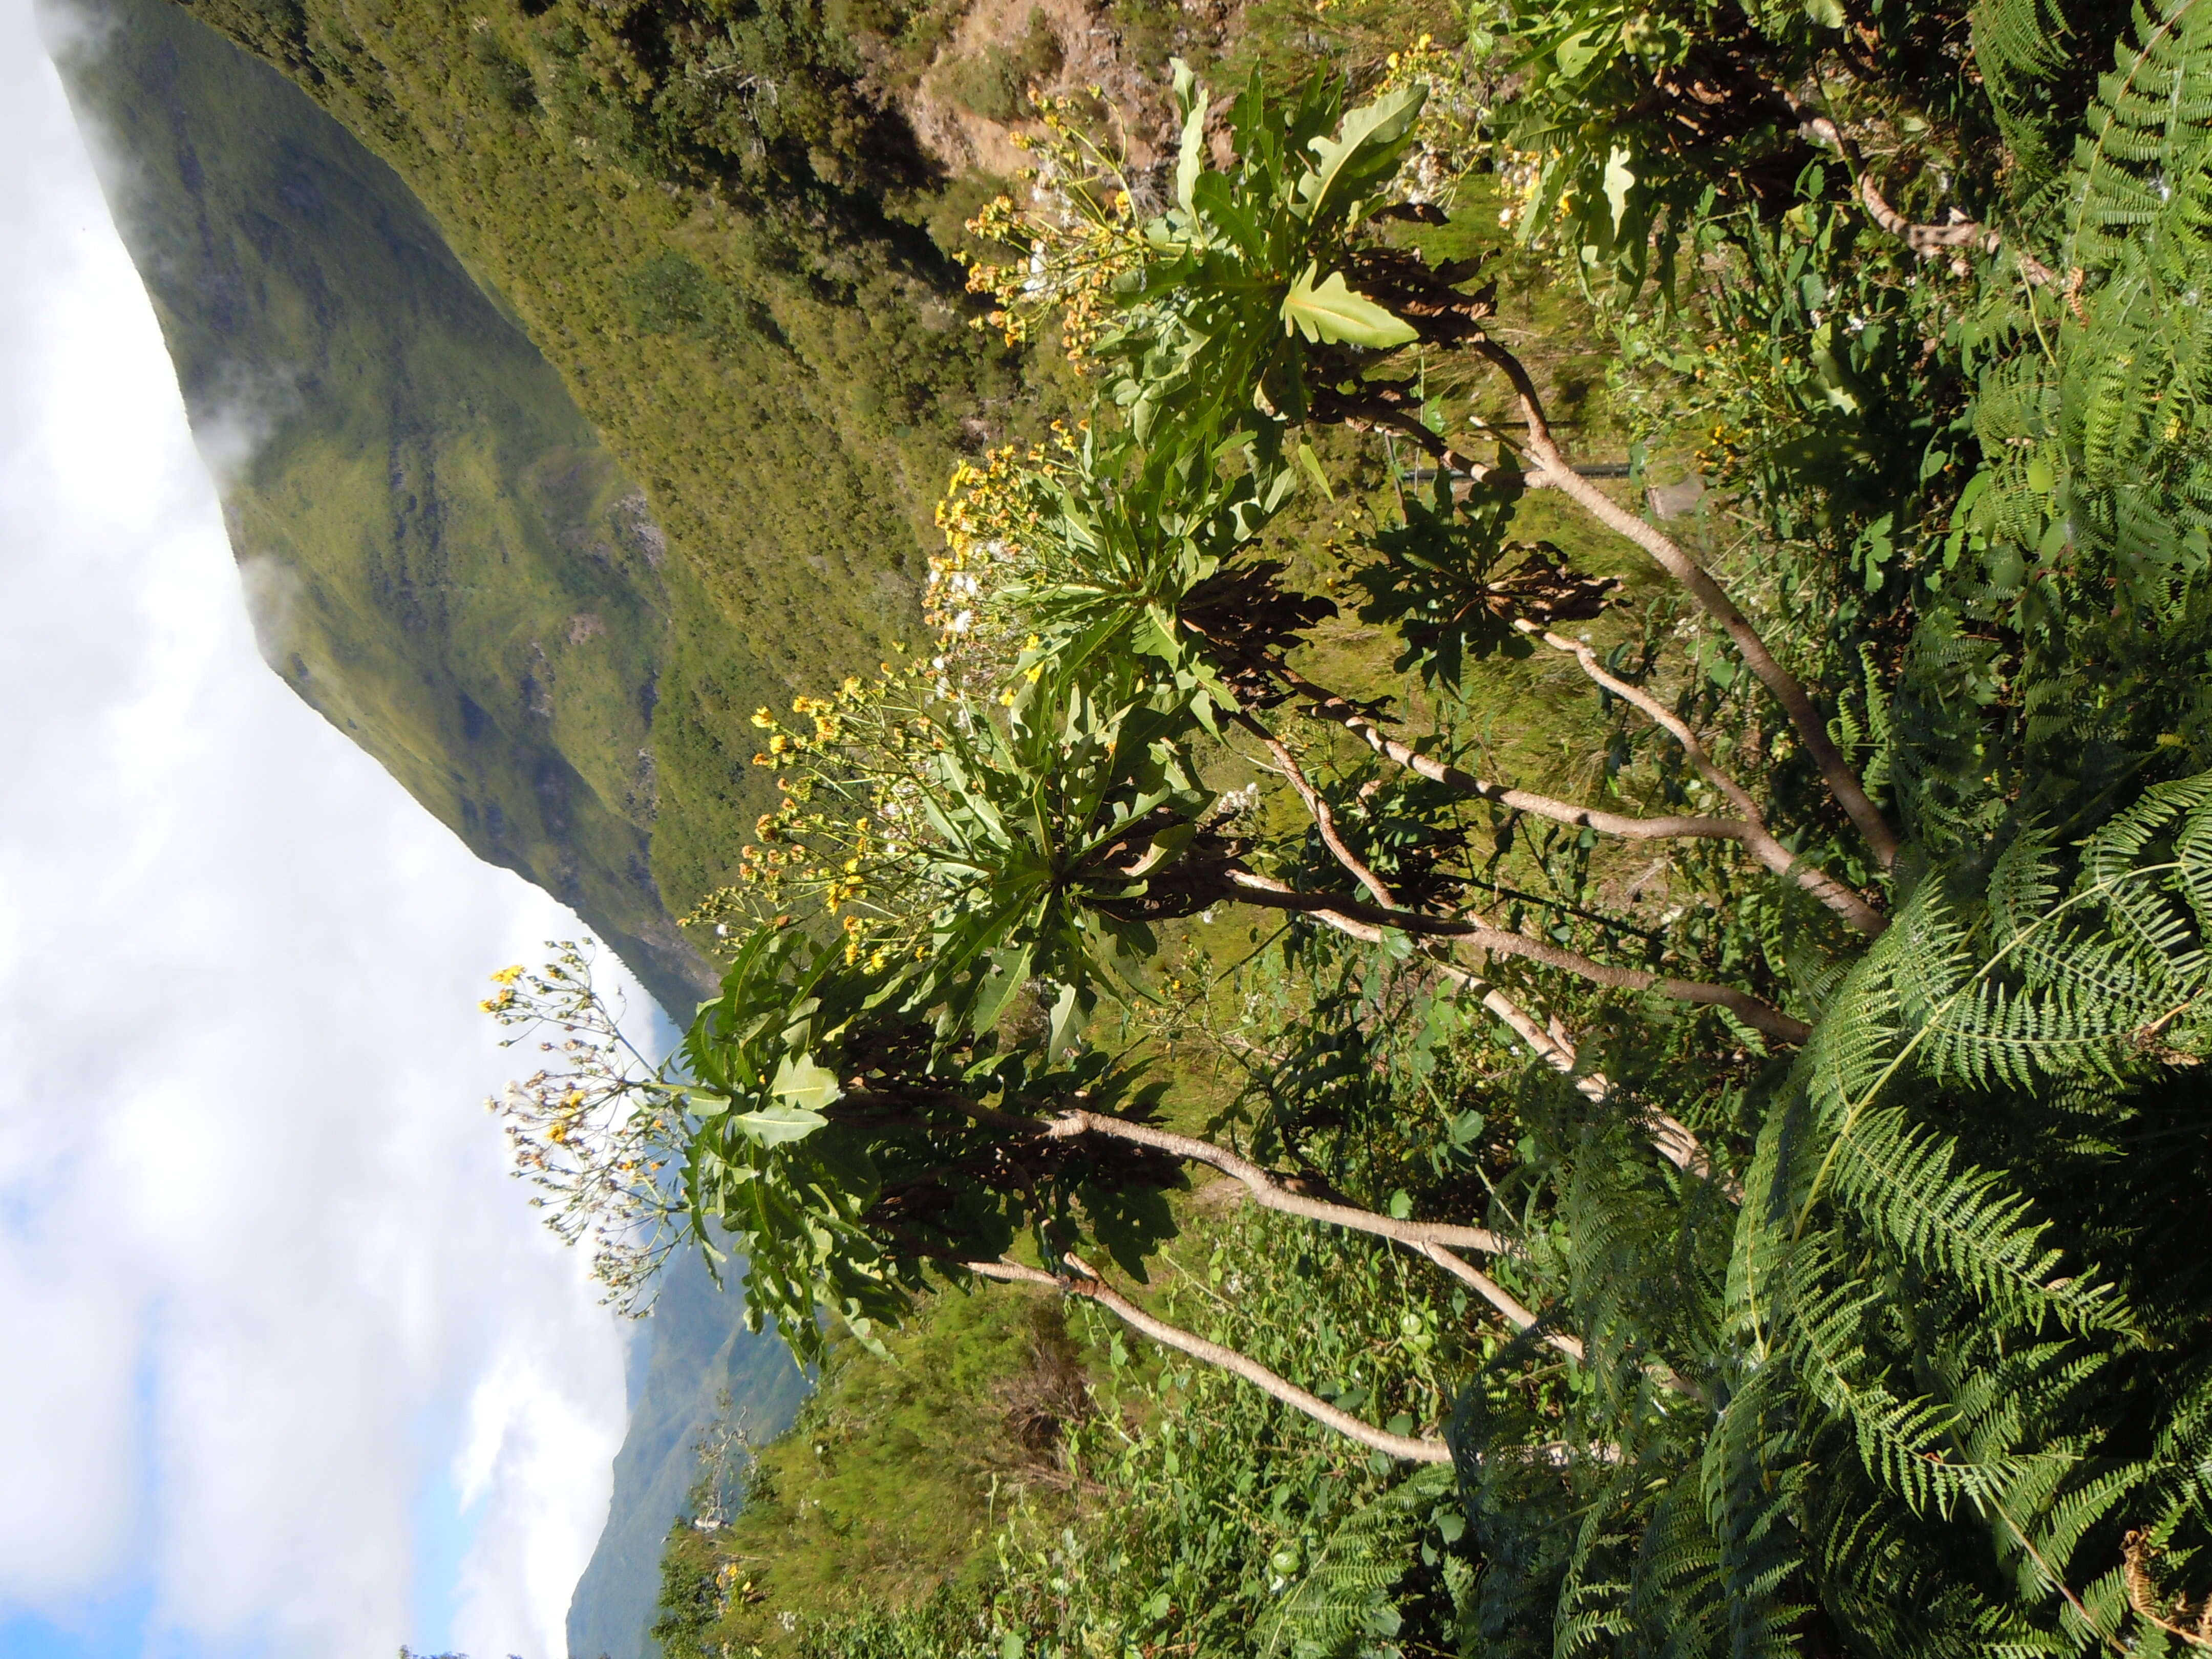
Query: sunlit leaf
[1330, 310]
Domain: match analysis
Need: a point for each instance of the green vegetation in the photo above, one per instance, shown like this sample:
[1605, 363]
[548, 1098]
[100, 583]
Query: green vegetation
[1707, 1004]
[1728, 1138]
[1006, 1473]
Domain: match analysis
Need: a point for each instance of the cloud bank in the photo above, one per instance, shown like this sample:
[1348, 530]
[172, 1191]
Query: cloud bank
[285, 1359]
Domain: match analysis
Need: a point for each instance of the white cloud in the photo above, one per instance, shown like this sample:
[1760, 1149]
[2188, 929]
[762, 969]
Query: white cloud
[264, 1283]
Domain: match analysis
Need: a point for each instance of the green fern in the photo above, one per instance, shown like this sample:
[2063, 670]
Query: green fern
[1344, 1594]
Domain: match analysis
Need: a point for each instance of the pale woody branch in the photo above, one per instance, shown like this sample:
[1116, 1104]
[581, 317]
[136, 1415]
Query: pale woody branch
[1672, 1140]
[1552, 472]
[1761, 1016]
[1749, 832]
[1082, 1282]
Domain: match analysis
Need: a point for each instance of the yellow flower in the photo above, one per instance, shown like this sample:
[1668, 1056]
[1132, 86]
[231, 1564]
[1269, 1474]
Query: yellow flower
[763, 719]
[508, 976]
[1006, 698]
[778, 745]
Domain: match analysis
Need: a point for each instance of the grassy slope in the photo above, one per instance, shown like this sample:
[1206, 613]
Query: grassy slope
[443, 559]
[790, 396]
[890, 1481]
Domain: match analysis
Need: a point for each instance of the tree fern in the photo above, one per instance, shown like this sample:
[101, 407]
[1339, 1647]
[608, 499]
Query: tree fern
[1907, 1184]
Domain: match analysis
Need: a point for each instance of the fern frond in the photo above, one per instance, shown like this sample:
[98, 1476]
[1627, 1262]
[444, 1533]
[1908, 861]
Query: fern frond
[1675, 1599]
[1905, 1445]
[1749, 1474]
[2145, 133]
[1345, 1592]
[1907, 1183]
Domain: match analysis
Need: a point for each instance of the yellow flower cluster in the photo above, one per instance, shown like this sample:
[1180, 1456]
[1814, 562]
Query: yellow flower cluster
[1081, 234]
[991, 513]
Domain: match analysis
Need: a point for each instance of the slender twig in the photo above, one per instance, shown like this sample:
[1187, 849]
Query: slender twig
[1517, 1312]
[1434, 1239]
[1552, 472]
[1759, 1015]
[1672, 1140]
[1753, 837]
[1082, 1282]
[1928, 241]
[1756, 838]
[1317, 808]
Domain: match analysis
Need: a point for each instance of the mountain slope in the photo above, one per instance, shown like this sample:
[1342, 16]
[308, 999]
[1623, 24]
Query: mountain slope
[441, 556]
[733, 258]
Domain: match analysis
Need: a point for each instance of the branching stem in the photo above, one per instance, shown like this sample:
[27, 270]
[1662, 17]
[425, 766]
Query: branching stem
[1761, 1016]
[1755, 837]
[1928, 241]
[1270, 1194]
[1436, 1240]
[1749, 833]
[1552, 472]
[1082, 1282]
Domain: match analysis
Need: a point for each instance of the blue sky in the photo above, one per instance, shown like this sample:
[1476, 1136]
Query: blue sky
[287, 1364]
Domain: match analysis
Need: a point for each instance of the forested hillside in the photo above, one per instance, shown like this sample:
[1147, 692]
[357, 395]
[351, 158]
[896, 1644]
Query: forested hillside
[440, 556]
